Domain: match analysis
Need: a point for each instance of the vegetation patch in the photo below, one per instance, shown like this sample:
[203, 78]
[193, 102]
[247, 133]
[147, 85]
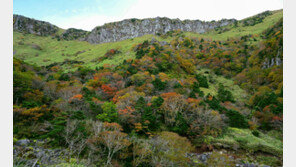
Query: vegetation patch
[235, 138]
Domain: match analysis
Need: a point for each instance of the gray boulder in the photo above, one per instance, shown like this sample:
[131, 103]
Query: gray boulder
[22, 142]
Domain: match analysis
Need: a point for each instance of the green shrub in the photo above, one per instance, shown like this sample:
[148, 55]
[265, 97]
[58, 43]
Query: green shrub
[64, 77]
[164, 66]
[195, 89]
[181, 127]
[236, 119]
[214, 103]
[140, 104]
[224, 95]
[49, 78]
[56, 131]
[202, 80]
[266, 99]
[192, 95]
[22, 82]
[142, 49]
[78, 115]
[132, 70]
[177, 85]
[109, 112]
[256, 133]
[159, 85]
[156, 103]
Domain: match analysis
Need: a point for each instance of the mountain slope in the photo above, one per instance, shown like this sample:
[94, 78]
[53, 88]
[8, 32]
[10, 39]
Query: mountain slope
[170, 99]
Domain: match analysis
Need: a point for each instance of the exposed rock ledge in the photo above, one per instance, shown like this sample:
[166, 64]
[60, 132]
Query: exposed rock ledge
[132, 28]
[117, 31]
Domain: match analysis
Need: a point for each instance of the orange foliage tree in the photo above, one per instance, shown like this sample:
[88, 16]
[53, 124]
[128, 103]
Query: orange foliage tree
[173, 103]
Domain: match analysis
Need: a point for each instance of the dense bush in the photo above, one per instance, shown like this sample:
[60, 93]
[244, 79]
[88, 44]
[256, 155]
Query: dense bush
[109, 112]
[21, 83]
[224, 95]
[169, 149]
[158, 84]
[236, 119]
[202, 80]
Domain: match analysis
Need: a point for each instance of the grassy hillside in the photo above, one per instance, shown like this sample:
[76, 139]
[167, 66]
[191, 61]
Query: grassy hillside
[50, 50]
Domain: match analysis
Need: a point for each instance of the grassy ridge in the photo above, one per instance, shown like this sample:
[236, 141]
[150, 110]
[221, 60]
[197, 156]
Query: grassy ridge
[240, 30]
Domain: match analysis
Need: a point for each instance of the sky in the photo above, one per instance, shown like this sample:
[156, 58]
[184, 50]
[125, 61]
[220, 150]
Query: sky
[87, 14]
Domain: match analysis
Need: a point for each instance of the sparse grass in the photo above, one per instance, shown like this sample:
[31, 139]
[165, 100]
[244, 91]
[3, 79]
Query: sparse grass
[244, 139]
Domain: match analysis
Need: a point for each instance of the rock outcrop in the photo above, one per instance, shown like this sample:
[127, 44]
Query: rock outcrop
[268, 63]
[132, 28]
[32, 26]
[35, 153]
[117, 31]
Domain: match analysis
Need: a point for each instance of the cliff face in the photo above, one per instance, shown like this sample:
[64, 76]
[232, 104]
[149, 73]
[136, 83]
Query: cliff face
[117, 31]
[32, 26]
[132, 28]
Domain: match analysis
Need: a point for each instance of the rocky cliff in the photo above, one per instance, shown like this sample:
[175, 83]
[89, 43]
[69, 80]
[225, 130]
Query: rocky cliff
[132, 28]
[117, 31]
[32, 26]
